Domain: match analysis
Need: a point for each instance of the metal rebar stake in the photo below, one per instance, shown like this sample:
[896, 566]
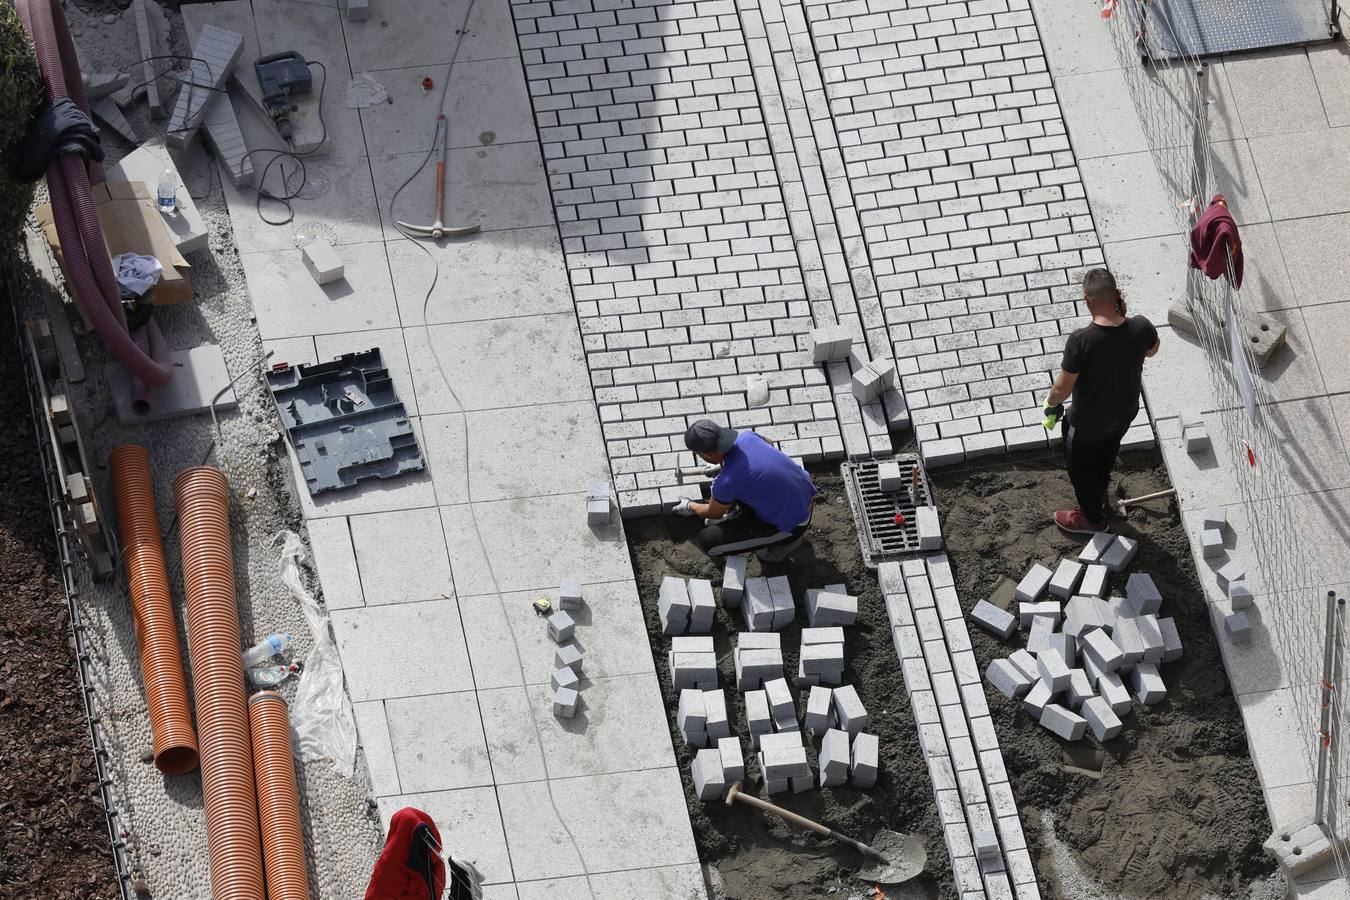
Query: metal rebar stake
[1329, 647]
[1334, 742]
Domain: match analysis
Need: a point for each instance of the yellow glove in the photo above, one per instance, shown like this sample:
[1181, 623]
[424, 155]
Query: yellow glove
[1052, 414]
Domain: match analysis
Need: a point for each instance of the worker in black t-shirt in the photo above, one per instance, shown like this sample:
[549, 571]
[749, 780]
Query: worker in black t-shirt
[1102, 370]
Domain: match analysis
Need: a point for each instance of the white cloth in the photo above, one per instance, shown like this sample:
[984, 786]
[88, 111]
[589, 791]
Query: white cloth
[136, 273]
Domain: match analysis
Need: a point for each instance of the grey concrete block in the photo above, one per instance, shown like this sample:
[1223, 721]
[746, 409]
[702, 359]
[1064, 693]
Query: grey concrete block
[828, 343]
[826, 608]
[1105, 653]
[693, 670]
[692, 644]
[1112, 689]
[356, 10]
[1065, 580]
[718, 725]
[1080, 688]
[708, 776]
[1143, 594]
[1231, 572]
[1054, 671]
[1120, 554]
[1033, 584]
[872, 380]
[1171, 640]
[733, 760]
[1096, 547]
[1101, 718]
[569, 595]
[928, 527]
[220, 125]
[984, 841]
[785, 720]
[757, 605]
[758, 640]
[568, 655]
[1238, 626]
[1027, 612]
[822, 660]
[1211, 543]
[758, 719]
[566, 702]
[673, 605]
[754, 667]
[691, 715]
[890, 477]
[1147, 684]
[322, 261]
[801, 785]
[826, 634]
[214, 51]
[1239, 595]
[819, 709]
[848, 709]
[703, 606]
[779, 696]
[560, 627]
[865, 762]
[1154, 645]
[1038, 638]
[733, 580]
[564, 677]
[1081, 615]
[1064, 646]
[1131, 643]
[1094, 581]
[1216, 517]
[834, 758]
[1025, 663]
[1008, 679]
[1037, 699]
[992, 619]
[1196, 438]
[599, 512]
[1063, 722]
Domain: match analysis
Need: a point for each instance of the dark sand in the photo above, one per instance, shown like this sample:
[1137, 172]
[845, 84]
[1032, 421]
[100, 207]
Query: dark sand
[1178, 811]
[760, 857]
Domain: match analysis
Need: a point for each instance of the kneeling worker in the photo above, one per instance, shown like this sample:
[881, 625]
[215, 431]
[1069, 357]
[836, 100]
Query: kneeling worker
[767, 495]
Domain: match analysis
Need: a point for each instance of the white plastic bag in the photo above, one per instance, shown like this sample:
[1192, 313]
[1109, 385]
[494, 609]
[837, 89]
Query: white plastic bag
[364, 91]
[321, 714]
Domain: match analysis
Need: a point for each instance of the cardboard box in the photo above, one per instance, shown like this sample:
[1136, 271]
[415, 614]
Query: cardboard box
[132, 224]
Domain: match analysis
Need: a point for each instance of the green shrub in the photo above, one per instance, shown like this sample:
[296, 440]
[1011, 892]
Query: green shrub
[20, 95]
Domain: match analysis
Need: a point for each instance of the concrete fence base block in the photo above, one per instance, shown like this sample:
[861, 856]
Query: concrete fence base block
[1302, 848]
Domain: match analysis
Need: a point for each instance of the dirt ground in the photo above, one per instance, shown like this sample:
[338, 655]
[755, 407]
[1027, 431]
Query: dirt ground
[759, 857]
[1178, 810]
[53, 842]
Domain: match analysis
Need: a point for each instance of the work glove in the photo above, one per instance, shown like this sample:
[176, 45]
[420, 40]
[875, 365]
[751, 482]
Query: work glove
[710, 470]
[1052, 414]
[682, 508]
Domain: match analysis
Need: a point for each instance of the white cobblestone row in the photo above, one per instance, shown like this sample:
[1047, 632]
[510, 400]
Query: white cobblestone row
[971, 207]
[960, 745]
[824, 223]
[675, 232]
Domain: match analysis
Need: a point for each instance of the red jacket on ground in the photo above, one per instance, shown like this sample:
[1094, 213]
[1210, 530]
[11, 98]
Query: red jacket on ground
[406, 862]
[1211, 234]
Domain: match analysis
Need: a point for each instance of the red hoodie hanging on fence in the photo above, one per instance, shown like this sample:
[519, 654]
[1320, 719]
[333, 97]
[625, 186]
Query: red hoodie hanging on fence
[1213, 233]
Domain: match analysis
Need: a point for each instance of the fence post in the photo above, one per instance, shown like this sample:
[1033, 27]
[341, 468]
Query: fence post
[1331, 664]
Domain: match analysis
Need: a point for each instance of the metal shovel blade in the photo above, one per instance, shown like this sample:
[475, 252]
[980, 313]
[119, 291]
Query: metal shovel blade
[900, 857]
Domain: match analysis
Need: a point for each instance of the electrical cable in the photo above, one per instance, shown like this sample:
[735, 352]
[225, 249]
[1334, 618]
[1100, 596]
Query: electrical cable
[460, 413]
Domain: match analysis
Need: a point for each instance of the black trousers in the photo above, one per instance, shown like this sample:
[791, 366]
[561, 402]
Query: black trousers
[1089, 459]
[744, 533]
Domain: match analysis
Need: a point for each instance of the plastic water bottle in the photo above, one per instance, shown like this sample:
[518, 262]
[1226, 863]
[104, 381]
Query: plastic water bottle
[168, 190]
[265, 649]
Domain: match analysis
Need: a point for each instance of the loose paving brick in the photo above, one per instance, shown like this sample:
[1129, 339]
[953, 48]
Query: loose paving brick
[994, 620]
[733, 580]
[834, 758]
[569, 595]
[864, 761]
[708, 775]
[819, 709]
[1066, 578]
[733, 760]
[848, 709]
[566, 702]
[1143, 594]
[1034, 583]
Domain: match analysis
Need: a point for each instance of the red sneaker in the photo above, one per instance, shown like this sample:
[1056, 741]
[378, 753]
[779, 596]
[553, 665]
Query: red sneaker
[1074, 522]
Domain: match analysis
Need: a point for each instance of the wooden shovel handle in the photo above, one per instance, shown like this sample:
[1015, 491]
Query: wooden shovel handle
[736, 794]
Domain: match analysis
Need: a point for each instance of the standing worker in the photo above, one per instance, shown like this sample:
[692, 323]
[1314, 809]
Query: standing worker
[1102, 370]
[760, 495]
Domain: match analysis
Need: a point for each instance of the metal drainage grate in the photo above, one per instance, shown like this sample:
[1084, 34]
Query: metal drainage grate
[874, 512]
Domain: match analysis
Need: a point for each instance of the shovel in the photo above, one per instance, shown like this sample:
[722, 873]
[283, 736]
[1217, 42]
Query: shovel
[890, 859]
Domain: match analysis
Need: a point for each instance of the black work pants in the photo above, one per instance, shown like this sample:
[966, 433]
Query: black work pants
[744, 533]
[1089, 457]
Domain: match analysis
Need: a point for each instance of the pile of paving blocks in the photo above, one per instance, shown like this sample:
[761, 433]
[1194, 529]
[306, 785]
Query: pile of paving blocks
[692, 661]
[1086, 653]
[1231, 575]
[567, 657]
[686, 606]
[821, 660]
[766, 603]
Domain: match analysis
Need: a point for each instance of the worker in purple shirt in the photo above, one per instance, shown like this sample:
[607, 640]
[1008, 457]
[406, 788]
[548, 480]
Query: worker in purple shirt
[761, 498]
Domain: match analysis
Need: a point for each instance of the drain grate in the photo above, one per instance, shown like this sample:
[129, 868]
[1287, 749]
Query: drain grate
[874, 512]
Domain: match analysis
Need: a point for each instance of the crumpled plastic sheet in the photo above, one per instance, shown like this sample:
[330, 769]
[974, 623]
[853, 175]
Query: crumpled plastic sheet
[321, 713]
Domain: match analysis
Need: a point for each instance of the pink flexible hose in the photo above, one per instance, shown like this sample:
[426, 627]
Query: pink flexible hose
[68, 181]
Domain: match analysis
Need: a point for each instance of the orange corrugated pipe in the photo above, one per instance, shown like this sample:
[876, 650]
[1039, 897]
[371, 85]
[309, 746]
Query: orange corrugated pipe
[202, 496]
[173, 741]
[278, 799]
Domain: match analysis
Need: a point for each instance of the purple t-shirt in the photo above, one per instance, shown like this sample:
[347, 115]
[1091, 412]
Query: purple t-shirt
[767, 480]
